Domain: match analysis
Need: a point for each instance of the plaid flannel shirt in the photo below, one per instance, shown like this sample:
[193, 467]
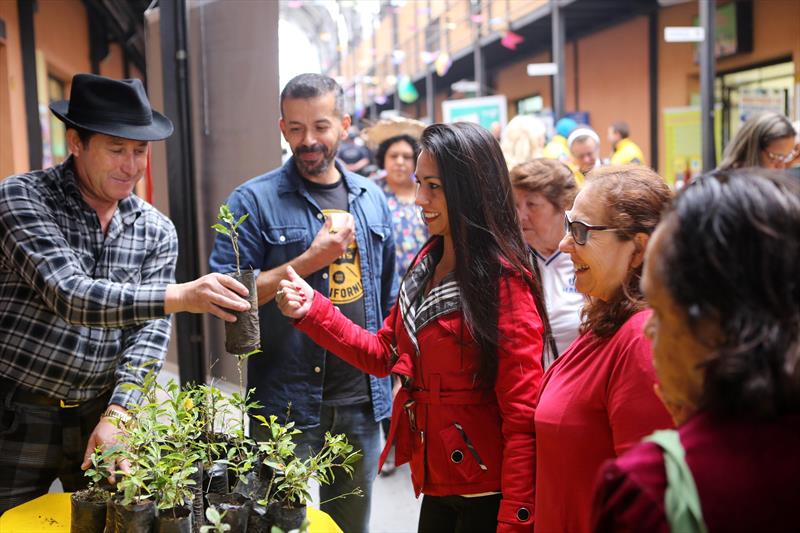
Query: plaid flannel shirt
[80, 312]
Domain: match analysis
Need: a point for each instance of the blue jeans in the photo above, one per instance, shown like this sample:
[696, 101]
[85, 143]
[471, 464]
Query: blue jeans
[358, 423]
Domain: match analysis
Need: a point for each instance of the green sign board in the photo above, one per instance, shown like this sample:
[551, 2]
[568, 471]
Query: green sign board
[484, 111]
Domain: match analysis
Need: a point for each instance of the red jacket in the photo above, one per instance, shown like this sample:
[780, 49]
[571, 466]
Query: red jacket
[459, 436]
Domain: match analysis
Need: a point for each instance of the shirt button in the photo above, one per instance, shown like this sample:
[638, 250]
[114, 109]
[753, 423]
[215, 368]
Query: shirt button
[319, 216]
[317, 370]
[282, 238]
[324, 275]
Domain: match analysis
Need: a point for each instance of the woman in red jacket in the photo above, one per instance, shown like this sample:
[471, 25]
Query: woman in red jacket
[465, 337]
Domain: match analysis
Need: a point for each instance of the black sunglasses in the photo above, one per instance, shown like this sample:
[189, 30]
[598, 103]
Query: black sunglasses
[580, 230]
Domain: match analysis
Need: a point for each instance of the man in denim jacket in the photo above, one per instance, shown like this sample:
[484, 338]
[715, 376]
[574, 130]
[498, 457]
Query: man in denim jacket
[334, 228]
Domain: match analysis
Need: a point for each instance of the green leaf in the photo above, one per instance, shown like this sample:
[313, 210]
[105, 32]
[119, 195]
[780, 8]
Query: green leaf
[213, 515]
[219, 228]
[241, 219]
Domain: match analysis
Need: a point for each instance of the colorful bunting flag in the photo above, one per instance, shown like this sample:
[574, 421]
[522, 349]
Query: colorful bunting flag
[406, 91]
[428, 57]
[510, 40]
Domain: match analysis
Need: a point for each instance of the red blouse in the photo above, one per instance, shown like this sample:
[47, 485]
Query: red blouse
[596, 401]
[746, 474]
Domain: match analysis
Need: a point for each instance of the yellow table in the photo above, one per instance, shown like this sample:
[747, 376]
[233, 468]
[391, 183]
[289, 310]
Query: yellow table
[51, 513]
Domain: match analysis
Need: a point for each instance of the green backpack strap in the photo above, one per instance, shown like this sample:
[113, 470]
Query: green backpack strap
[681, 501]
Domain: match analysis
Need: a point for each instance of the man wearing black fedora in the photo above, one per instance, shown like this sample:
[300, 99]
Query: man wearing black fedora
[87, 284]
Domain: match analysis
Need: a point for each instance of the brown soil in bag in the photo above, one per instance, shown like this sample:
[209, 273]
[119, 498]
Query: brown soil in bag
[244, 335]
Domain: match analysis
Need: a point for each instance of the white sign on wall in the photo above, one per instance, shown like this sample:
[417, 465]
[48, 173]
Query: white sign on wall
[542, 69]
[684, 34]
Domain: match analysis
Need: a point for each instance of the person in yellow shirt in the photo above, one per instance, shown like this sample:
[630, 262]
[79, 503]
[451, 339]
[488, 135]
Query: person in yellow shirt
[625, 150]
[557, 148]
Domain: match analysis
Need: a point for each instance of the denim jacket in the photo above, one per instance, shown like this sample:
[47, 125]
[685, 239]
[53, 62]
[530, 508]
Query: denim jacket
[283, 221]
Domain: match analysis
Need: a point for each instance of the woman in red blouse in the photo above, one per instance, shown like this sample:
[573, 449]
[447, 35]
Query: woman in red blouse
[465, 336]
[597, 399]
[721, 277]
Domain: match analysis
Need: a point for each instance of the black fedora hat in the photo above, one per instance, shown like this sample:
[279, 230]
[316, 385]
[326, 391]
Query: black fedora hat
[113, 107]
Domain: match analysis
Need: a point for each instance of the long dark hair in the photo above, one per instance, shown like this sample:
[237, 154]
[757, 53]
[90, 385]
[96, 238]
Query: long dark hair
[633, 197]
[730, 258]
[484, 228]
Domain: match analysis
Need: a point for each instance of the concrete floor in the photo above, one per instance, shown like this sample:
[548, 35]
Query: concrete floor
[394, 507]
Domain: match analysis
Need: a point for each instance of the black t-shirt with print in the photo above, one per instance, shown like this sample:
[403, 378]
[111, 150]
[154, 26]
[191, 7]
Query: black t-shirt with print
[344, 384]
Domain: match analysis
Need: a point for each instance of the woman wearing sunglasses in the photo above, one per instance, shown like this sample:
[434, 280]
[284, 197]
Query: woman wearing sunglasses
[597, 399]
[766, 140]
[465, 337]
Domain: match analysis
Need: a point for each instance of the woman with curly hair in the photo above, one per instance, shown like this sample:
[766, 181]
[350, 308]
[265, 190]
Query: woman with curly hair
[597, 399]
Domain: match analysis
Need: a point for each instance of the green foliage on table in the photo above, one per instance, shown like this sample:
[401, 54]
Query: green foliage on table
[292, 475]
[174, 428]
[161, 445]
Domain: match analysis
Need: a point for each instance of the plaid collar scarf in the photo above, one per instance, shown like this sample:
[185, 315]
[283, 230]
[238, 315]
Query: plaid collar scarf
[418, 309]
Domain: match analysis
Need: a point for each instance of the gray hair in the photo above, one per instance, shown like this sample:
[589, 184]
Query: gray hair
[306, 86]
[754, 135]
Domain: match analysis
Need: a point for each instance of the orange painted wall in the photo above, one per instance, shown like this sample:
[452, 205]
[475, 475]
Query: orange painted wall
[613, 81]
[13, 129]
[514, 82]
[62, 34]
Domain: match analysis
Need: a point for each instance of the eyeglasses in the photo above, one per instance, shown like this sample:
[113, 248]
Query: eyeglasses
[580, 230]
[781, 158]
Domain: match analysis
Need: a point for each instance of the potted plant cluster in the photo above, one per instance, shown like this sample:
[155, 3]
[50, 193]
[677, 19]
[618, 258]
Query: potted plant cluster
[287, 493]
[175, 438]
[163, 455]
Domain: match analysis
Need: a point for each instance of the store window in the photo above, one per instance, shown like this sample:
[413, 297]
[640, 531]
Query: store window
[531, 105]
[744, 93]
